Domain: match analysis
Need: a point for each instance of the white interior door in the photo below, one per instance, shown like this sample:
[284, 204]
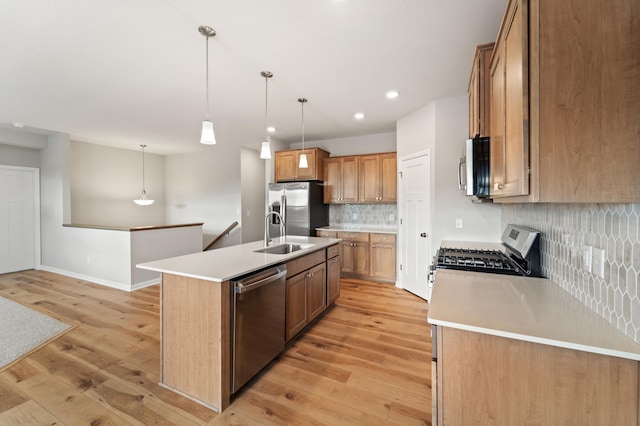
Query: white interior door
[19, 230]
[415, 223]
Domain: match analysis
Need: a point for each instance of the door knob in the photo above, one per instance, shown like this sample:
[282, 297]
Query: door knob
[424, 235]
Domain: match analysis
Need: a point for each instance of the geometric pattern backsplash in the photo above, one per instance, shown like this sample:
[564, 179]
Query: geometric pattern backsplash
[565, 229]
[366, 215]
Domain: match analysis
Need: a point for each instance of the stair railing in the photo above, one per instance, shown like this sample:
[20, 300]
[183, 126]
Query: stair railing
[221, 236]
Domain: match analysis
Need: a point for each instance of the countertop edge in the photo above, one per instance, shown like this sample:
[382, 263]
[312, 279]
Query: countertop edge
[539, 340]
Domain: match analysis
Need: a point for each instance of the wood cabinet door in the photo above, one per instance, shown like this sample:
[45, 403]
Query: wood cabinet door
[333, 279]
[310, 172]
[383, 261]
[369, 178]
[361, 256]
[349, 180]
[333, 180]
[348, 257]
[509, 107]
[296, 304]
[285, 166]
[474, 99]
[316, 291]
[388, 178]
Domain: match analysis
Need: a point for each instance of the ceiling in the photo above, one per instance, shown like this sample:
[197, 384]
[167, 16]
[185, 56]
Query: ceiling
[121, 73]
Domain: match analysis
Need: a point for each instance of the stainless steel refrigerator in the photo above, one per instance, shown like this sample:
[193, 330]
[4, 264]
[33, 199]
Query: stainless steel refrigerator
[301, 206]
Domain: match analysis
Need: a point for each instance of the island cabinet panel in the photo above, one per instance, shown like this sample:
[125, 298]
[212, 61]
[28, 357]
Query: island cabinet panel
[333, 279]
[490, 380]
[305, 291]
[195, 339]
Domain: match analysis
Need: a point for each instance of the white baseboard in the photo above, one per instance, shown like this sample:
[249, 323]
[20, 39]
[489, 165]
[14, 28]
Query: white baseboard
[107, 283]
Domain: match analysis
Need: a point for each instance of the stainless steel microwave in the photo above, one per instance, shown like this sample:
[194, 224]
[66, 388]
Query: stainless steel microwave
[473, 168]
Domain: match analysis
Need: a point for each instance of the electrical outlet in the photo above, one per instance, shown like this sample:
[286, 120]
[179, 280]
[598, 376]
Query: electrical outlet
[587, 254]
[458, 222]
[597, 262]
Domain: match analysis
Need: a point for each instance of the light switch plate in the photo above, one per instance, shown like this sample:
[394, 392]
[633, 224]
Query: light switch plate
[587, 254]
[597, 262]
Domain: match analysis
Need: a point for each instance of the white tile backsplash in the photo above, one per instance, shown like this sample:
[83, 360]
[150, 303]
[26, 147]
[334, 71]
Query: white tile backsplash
[369, 215]
[566, 228]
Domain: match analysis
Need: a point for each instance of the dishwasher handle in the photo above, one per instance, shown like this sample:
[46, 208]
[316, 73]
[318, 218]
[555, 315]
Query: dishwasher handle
[254, 282]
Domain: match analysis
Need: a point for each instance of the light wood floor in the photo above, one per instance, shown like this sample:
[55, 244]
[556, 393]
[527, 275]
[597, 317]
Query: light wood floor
[366, 362]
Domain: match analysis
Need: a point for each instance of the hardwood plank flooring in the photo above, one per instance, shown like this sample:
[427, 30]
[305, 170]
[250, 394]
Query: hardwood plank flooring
[365, 362]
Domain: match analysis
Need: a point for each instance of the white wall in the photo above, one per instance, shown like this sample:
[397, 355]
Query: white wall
[356, 145]
[106, 180]
[206, 187]
[18, 156]
[253, 195]
[441, 127]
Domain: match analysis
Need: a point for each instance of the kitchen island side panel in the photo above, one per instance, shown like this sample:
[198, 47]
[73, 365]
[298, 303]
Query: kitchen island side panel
[195, 341]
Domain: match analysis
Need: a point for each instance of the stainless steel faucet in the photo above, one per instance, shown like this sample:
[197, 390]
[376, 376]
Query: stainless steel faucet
[267, 238]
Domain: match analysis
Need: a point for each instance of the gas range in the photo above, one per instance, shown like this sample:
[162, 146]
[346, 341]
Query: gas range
[520, 255]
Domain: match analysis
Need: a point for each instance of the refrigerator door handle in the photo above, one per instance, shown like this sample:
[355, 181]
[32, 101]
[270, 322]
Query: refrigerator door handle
[283, 211]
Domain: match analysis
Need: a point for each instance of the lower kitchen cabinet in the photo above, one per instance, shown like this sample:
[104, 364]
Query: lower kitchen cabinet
[383, 256]
[355, 253]
[307, 288]
[486, 379]
[333, 274]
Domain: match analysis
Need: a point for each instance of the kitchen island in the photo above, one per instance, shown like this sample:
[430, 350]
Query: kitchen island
[197, 305]
[512, 350]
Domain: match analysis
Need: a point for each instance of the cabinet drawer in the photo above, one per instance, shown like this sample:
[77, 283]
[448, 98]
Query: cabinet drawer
[333, 251]
[383, 238]
[326, 234]
[354, 236]
[303, 263]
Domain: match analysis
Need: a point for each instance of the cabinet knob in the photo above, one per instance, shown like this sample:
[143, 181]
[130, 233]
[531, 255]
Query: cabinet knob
[373, 246]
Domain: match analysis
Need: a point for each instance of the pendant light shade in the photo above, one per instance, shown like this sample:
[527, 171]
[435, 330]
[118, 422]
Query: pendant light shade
[143, 200]
[265, 152]
[303, 157]
[208, 137]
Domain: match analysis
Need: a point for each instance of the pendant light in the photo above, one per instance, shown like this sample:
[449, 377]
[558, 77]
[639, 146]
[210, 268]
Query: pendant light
[303, 157]
[208, 137]
[265, 152]
[143, 200]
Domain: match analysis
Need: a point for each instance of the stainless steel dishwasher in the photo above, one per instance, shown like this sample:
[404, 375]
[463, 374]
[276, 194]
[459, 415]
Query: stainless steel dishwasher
[258, 322]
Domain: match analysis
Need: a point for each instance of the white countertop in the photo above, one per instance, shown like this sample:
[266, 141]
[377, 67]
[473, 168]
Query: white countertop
[530, 309]
[231, 262]
[359, 228]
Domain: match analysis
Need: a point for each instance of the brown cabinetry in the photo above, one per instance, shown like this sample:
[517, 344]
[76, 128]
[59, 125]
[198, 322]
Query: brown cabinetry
[383, 256]
[333, 274]
[529, 383]
[354, 256]
[310, 287]
[479, 92]
[378, 180]
[341, 180]
[286, 164]
[564, 108]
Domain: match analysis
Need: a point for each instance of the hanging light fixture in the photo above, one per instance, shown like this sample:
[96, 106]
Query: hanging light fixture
[303, 157]
[265, 152]
[143, 200]
[208, 137]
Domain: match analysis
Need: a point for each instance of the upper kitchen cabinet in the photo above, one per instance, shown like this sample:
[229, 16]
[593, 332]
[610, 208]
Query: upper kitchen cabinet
[479, 92]
[378, 178]
[341, 180]
[565, 84]
[287, 165]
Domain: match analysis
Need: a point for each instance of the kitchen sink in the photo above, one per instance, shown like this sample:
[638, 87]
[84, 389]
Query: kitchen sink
[283, 248]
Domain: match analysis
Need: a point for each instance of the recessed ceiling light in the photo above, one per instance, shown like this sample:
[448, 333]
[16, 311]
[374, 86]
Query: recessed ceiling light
[17, 124]
[358, 116]
[392, 94]
[271, 129]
